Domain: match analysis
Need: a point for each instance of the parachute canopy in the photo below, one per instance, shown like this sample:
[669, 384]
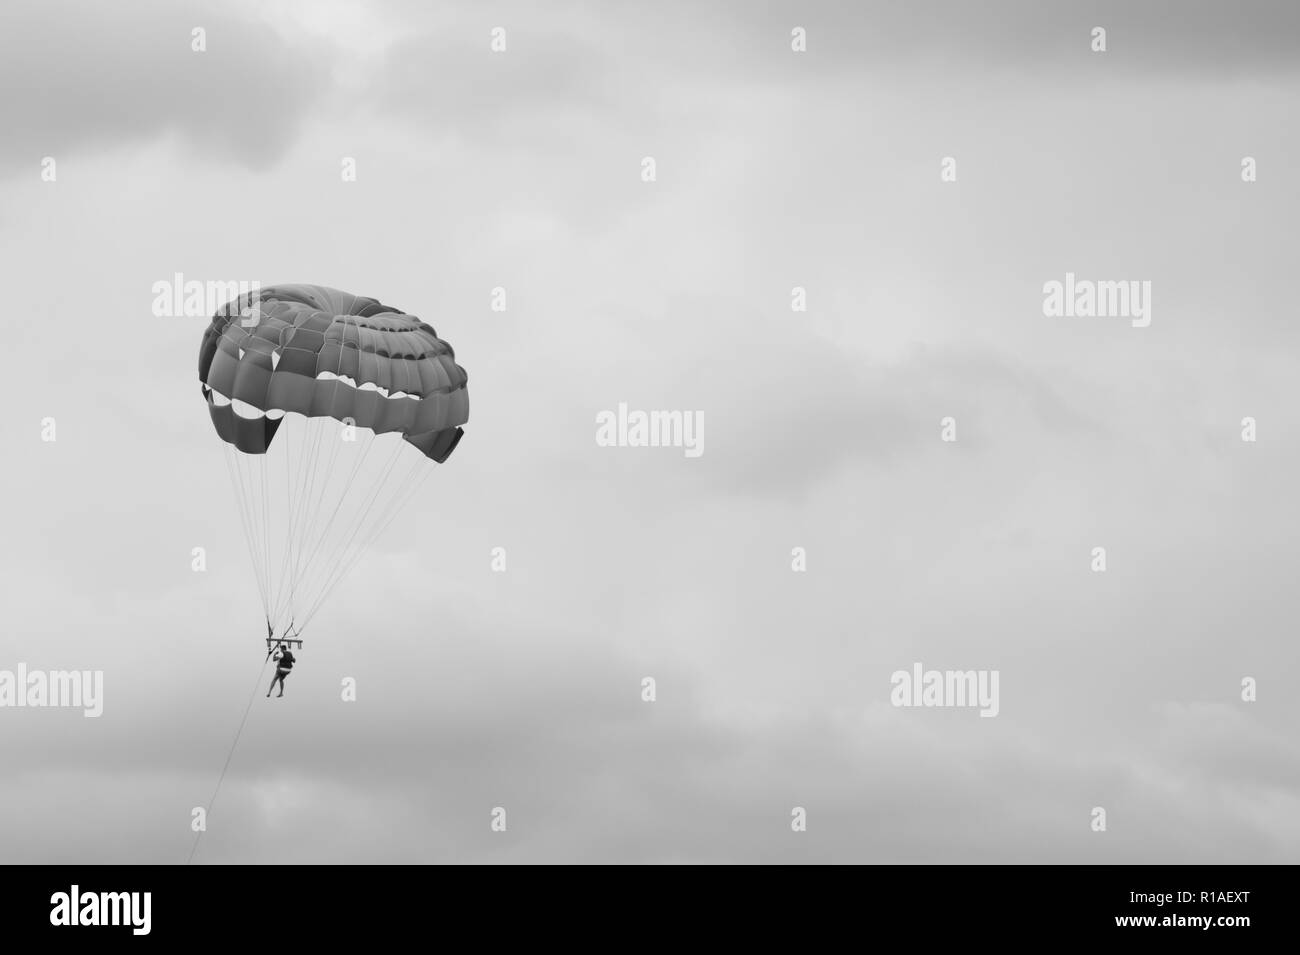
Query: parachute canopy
[325, 353]
[320, 397]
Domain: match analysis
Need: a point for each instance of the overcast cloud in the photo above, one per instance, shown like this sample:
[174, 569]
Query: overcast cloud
[822, 430]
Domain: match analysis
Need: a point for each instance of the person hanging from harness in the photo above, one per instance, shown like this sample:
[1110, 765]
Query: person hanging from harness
[284, 664]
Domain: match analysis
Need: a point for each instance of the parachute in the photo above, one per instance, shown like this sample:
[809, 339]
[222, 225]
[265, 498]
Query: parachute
[333, 409]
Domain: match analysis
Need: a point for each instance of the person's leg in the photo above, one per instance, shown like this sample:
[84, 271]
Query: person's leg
[282, 675]
[272, 686]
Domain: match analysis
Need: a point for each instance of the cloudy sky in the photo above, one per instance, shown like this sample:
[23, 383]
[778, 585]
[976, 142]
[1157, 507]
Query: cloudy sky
[523, 170]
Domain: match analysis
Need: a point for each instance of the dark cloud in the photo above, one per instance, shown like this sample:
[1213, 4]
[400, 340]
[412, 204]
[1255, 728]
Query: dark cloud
[85, 77]
[589, 773]
[621, 66]
[1191, 39]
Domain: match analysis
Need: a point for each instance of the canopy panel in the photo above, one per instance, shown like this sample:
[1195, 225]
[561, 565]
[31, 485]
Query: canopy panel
[320, 352]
